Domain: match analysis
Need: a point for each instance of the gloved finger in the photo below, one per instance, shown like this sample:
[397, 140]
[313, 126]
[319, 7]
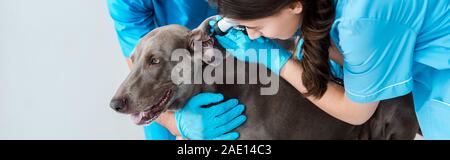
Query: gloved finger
[215, 20]
[228, 136]
[226, 42]
[233, 32]
[261, 40]
[229, 115]
[241, 37]
[205, 99]
[221, 108]
[233, 39]
[233, 124]
[212, 23]
[218, 17]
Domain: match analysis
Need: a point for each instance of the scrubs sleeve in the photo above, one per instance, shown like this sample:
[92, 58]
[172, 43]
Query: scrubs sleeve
[378, 58]
[132, 20]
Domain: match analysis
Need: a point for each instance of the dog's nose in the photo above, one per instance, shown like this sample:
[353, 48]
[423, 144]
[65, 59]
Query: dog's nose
[118, 105]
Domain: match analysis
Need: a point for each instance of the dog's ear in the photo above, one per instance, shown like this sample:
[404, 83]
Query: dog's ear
[133, 57]
[201, 34]
[202, 47]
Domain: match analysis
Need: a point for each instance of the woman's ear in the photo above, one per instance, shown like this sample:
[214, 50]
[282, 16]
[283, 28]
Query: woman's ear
[296, 7]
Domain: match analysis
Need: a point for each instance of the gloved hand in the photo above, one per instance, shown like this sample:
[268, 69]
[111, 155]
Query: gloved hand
[238, 44]
[214, 123]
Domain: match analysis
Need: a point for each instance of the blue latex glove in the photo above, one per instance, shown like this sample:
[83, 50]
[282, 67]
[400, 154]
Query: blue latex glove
[237, 43]
[214, 123]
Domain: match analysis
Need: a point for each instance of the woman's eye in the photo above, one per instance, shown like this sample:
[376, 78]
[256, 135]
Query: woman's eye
[154, 61]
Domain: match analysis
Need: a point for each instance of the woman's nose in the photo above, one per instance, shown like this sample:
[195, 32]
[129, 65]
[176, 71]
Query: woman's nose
[253, 34]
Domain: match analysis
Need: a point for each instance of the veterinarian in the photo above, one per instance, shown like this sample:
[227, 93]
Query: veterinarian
[135, 18]
[381, 49]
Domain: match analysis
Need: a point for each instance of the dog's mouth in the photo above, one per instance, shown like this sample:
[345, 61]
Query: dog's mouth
[151, 114]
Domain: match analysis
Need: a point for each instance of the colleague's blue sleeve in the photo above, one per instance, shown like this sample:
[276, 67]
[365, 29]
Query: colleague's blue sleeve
[378, 58]
[132, 20]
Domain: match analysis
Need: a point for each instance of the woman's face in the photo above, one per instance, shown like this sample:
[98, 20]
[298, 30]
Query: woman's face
[279, 26]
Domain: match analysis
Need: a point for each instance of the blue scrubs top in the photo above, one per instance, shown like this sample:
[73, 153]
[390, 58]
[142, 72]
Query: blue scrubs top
[135, 18]
[394, 47]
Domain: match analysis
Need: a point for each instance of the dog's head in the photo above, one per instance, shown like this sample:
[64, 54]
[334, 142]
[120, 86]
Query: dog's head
[149, 90]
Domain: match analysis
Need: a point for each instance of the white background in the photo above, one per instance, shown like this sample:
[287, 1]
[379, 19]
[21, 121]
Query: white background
[60, 64]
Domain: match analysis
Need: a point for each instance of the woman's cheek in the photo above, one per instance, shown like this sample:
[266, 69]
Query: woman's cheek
[271, 33]
[280, 32]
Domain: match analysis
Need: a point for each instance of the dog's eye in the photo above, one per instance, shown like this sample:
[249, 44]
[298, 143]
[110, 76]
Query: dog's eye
[154, 61]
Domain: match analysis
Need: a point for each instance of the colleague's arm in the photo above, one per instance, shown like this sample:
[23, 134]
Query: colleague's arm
[167, 119]
[132, 20]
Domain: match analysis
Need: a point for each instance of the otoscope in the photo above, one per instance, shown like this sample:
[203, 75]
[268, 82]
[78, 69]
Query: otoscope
[222, 27]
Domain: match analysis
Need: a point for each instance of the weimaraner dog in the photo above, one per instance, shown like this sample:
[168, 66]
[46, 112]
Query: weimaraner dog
[149, 91]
